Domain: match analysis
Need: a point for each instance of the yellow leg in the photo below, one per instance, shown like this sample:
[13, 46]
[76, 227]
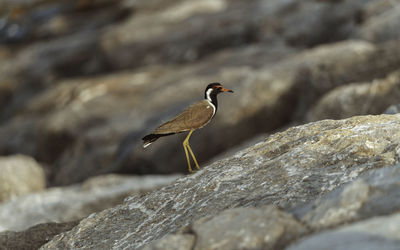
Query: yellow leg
[187, 156]
[194, 158]
[187, 147]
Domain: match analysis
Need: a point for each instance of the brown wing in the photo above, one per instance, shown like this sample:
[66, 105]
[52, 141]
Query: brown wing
[195, 116]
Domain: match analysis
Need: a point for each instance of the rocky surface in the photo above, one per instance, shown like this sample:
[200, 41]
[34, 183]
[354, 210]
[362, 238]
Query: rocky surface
[288, 169]
[373, 194]
[381, 232]
[73, 203]
[20, 175]
[79, 114]
[239, 228]
[80, 77]
[82, 81]
[33, 237]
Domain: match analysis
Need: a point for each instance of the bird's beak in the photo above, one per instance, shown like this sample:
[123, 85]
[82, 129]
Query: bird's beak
[226, 90]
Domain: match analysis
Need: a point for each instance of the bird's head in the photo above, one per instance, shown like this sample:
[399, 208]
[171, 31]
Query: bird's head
[214, 89]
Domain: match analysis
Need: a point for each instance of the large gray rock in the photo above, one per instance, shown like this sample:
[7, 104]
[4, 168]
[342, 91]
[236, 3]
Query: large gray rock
[381, 22]
[76, 202]
[357, 99]
[381, 232]
[173, 242]
[247, 228]
[287, 169]
[20, 175]
[164, 33]
[239, 228]
[372, 194]
[369, 196]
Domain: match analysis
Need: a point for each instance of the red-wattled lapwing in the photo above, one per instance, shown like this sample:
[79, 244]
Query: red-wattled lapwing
[194, 117]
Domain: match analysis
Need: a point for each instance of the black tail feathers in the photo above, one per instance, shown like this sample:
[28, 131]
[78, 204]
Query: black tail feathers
[149, 139]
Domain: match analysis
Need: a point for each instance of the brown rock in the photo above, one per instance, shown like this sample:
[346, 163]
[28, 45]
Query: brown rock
[20, 175]
[34, 237]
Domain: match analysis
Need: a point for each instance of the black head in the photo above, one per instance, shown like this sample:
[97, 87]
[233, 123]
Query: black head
[214, 89]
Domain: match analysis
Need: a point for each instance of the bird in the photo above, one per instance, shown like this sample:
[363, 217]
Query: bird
[193, 117]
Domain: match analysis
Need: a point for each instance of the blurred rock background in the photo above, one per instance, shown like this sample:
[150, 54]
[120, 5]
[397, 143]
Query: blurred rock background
[82, 81]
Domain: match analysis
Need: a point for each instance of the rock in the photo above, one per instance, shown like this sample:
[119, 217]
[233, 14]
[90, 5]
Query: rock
[81, 113]
[247, 228]
[381, 232]
[164, 31]
[393, 109]
[34, 237]
[287, 169]
[372, 194]
[384, 25]
[20, 175]
[173, 242]
[265, 50]
[75, 202]
[239, 228]
[357, 99]
[362, 61]
[375, 8]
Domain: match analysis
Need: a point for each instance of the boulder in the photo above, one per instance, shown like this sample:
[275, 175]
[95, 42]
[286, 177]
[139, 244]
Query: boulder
[372, 194]
[357, 99]
[247, 228]
[173, 242]
[20, 175]
[381, 21]
[238, 228]
[76, 202]
[345, 212]
[164, 31]
[381, 232]
[34, 237]
[287, 169]
[393, 109]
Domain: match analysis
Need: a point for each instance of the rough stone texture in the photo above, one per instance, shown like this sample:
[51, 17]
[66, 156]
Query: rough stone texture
[382, 232]
[358, 99]
[75, 202]
[82, 81]
[19, 175]
[239, 228]
[247, 228]
[373, 194]
[287, 169]
[173, 242]
[33, 237]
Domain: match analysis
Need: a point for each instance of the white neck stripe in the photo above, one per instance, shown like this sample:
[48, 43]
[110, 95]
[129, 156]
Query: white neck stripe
[213, 106]
[208, 93]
